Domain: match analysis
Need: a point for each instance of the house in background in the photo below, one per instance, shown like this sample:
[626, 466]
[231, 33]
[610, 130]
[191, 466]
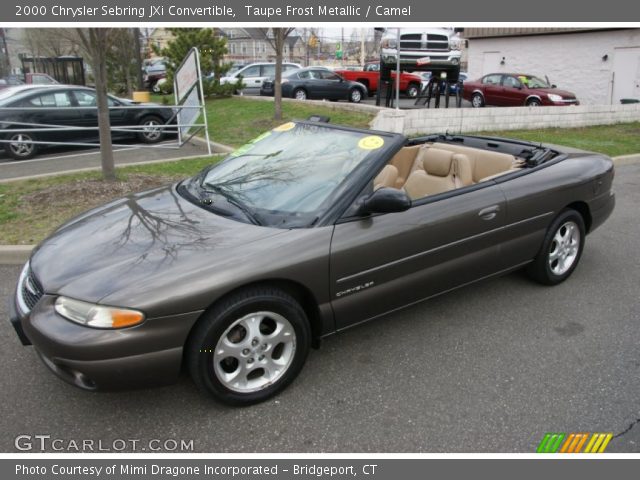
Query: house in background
[246, 45]
[601, 66]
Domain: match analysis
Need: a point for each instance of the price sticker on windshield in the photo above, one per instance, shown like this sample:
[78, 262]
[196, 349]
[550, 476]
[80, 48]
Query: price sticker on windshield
[284, 127]
[372, 142]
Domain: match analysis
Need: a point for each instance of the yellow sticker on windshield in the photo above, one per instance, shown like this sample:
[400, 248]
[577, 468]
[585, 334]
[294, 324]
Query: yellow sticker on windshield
[372, 142]
[284, 127]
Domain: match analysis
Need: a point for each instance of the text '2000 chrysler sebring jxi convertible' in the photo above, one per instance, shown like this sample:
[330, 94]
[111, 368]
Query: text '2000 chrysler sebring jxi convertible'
[311, 228]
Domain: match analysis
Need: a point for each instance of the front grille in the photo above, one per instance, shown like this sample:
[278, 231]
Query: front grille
[437, 42]
[411, 41]
[31, 290]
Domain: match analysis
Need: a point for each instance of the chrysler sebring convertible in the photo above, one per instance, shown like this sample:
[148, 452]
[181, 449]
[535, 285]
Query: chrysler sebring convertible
[233, 274]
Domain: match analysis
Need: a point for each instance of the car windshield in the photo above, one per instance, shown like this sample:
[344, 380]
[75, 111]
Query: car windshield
[532, 82]
[295, 170]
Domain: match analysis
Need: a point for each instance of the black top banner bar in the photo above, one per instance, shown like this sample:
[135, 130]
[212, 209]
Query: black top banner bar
[263, 11]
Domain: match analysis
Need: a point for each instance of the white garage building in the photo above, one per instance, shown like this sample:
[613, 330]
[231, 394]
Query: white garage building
[600, 66]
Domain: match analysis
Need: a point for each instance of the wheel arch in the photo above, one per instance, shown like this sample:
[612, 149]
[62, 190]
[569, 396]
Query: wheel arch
[583, 209]
[297, 290]
[531, 97]
[299, 87]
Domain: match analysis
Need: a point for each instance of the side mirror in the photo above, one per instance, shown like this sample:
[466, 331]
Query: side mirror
[554, 86]
[386, 200]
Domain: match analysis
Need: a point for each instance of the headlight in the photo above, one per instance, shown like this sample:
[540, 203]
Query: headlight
[97, 316]
[554, 98]
[388, 43]
[455, 43]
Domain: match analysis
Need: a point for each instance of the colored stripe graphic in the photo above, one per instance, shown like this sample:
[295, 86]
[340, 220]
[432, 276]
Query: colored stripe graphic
[550, 443]
[598, 442]
[573, 442]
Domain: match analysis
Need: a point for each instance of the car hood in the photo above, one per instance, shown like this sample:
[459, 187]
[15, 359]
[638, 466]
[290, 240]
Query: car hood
[562, 93]
[137, 240]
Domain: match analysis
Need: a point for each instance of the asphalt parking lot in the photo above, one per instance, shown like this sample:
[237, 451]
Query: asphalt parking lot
[61, 159]
[489, 368]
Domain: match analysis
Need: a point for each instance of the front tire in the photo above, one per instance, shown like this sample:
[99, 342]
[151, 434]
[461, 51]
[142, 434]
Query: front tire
[477, 100]
[561, 249]
[249, 347]
[534, 102]
[152, 130]
[355, 95]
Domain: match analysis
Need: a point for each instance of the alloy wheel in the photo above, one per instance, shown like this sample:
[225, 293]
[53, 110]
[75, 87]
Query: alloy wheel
[19, 145]
[254, 352]
[564, 248]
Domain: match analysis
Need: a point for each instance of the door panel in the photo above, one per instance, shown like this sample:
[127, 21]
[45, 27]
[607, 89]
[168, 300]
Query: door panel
[53, 109]
[384, 262]
[88, 117]
[492, 89]
[512, 93]
[626, 81]
[251, 79]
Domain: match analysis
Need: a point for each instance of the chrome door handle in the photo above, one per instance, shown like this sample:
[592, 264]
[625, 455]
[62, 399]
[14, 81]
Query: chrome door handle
[489, 213]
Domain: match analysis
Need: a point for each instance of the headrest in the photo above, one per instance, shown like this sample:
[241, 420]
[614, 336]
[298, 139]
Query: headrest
[436, 162]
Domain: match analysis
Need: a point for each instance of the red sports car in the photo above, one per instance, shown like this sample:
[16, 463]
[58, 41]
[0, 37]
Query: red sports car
[515, 90]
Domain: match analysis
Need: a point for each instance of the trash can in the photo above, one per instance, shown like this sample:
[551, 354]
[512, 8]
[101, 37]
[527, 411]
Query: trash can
[141, 97]
[626, 101]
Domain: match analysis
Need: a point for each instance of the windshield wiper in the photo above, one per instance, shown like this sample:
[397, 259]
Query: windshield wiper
[208, 187]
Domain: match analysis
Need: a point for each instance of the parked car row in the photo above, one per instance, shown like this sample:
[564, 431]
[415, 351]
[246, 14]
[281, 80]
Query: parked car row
[68, 113]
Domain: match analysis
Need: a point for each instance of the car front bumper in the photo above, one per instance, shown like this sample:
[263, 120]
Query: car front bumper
[413, 57]
[104, 359]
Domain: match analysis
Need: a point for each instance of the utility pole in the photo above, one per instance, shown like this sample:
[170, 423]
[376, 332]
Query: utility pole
[5, 65]
[342, 47]
[362, 35]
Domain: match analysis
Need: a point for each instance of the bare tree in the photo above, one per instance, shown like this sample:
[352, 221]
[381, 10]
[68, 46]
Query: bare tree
[95, 42]
[276, 37]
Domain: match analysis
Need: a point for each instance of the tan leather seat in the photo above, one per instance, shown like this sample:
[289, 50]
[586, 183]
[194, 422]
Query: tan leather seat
[403, 160]
[386, 178]
[484, 164]
[436, 175]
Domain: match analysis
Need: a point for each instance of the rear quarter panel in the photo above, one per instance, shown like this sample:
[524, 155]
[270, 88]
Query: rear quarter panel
[535, 199]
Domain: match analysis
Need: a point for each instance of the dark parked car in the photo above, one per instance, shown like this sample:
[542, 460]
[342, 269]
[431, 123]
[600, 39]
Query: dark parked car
[306, 231]
[67, 106]
[515, 90]
[316, 83]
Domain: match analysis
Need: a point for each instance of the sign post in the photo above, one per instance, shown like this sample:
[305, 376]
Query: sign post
[189, 95]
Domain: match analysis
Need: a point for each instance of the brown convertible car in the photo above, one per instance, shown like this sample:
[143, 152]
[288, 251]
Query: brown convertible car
[308, 230]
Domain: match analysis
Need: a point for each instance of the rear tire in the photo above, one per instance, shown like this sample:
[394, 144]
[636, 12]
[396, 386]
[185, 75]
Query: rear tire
[249, 347]
[19, 150]
[561, 249]
[413, 90]
[300, 94]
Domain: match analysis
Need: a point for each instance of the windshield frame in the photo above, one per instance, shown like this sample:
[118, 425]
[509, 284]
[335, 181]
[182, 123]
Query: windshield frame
[343, 195]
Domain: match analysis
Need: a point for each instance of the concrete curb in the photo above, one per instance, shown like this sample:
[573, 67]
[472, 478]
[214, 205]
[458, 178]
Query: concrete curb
[626, 159]
[93, 169]
[15, 254]
[18, 254]
[215, 147]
